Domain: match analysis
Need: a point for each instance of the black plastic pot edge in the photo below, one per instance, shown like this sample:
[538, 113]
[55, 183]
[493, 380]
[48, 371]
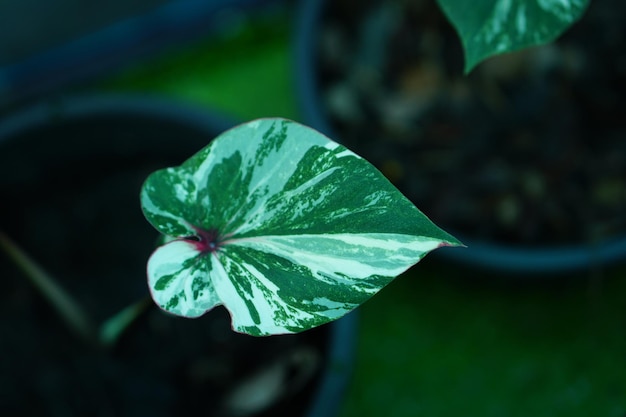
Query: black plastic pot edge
[537, 261]
[328, 397]
[48, 110]
[507, 259]
[331, 391]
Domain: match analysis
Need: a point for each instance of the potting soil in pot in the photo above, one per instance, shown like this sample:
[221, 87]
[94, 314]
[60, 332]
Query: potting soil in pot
[530, 148]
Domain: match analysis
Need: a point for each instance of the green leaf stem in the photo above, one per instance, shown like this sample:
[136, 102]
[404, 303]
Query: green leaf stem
[284, 227]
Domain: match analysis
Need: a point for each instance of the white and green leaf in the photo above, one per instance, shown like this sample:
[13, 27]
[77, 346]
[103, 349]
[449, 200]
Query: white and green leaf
[494, 27]
[284, 227]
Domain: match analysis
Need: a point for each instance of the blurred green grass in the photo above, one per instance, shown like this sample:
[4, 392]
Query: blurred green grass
[245, 71]
[446, 341]
[442, 340]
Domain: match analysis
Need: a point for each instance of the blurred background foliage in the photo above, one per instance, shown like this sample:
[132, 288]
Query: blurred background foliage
[442, 340]
[244, 70]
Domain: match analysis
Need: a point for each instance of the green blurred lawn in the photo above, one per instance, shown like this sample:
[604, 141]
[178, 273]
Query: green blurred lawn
[441, 341]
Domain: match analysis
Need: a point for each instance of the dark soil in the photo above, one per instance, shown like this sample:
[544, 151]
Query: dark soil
[70, 198]
[529, 148]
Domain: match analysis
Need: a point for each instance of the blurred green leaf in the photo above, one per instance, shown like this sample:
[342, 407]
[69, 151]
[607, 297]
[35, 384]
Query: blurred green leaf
[489, 28]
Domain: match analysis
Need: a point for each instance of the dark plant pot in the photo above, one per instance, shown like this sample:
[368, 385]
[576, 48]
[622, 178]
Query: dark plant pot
[470, 136]
[70, 175]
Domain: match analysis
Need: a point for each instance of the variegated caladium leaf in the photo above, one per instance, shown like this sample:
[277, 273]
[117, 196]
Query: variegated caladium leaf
[494, 27]
[284, 227]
